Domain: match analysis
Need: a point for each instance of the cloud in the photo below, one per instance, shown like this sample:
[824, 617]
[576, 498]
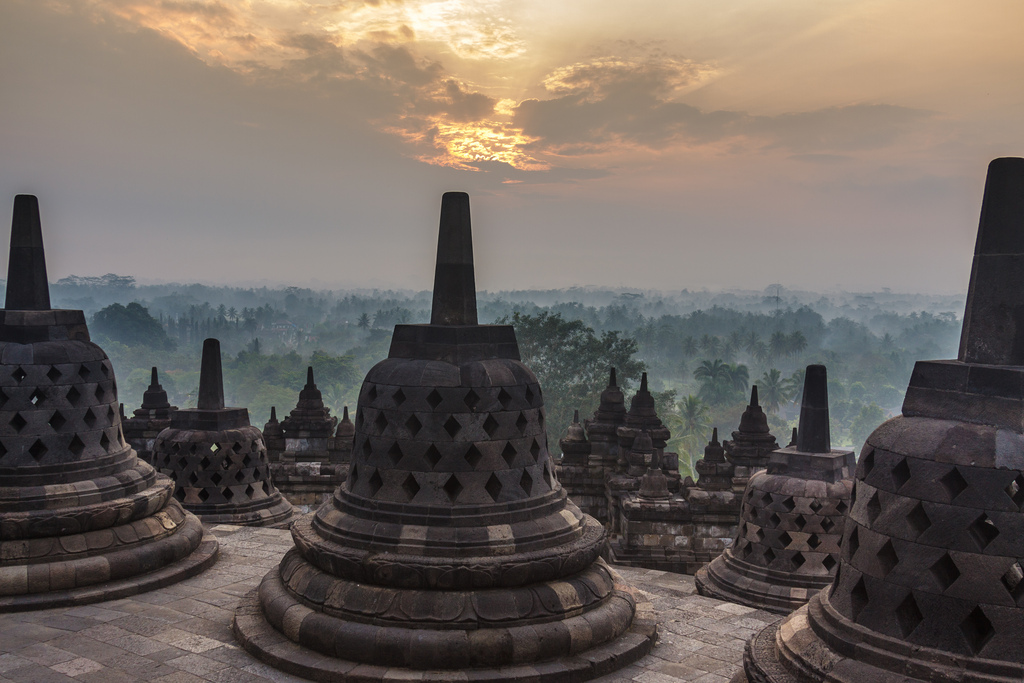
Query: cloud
[603, 104]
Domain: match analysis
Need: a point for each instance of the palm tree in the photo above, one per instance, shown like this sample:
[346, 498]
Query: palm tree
[729, 351]
[796, 343]
[690, 347]
[795, 385]
[364, 322]
[760, 351]
[772, 390]
[710, 345]
[778, 344]
[751, 342]
[736, 339]
[688, 427]
[721, 382]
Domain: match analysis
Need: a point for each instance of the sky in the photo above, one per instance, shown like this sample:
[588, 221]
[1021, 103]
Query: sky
[669, 144]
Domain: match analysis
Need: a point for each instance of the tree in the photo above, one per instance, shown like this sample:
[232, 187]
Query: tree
[721, 382]
[796, 343]
[772, 390]
[869, 418]
[132, 325]
[571, 363]
[795, 385]
[364, 322]
[689, 426]
[690, 347]
[710, 345]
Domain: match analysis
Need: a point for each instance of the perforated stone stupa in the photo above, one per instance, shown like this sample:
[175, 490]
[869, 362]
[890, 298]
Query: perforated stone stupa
[82, 519]
[451, 552]
[787, 545]
[930, 585]
[151, 418]
[218, 461]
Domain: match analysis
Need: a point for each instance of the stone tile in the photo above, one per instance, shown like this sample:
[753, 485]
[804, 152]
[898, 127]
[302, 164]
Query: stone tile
[187, 641]
[77, 667]
[196, 664]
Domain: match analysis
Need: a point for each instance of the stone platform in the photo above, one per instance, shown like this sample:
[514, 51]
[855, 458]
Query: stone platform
[182, 633]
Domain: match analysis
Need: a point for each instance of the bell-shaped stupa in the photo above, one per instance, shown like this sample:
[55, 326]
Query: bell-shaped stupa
[451, 552]
[791, 520]
[930, 586]
[151, 418]
[82, 518]
[217, 459]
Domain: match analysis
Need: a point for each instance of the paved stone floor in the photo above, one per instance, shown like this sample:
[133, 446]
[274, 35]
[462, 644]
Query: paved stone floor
[182, 634]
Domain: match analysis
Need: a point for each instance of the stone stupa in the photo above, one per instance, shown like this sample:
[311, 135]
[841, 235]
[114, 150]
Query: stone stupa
[217, 459]
[151, 418]
[82, 518]
[792, 517]
[930, 586]
[451, 552]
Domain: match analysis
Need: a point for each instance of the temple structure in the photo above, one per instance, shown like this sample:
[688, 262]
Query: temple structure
[787, 545]
[218, 461]
[451, 552]
[603, 470]
[151, 418]
[82, 519]
[310, 450]
[930, 585]
[590, 454]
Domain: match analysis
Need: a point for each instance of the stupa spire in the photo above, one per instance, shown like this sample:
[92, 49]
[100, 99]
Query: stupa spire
[753, 397]
[993, 330]
[309, 378]
[154, 381]
[454, 280]
[27, 288]
[813, 434]
[611, 379]
[211, 379]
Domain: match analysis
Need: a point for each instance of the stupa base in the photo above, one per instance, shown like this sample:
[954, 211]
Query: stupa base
[720, 579]
[201, 558]
[269, 645]
[816, 644]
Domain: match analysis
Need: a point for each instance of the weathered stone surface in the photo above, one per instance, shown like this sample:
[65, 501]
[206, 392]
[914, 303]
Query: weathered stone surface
[451, 546]
[217, 460]
[787, 545]
[81, 517]
[930, 585]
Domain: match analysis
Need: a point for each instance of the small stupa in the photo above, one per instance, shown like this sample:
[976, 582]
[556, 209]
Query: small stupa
[82, 518]
[590, 453]
[218, 461]
[308, 428]
[715, 472]
[792, 517]
[147, 421]
[752, 443]
[930, 586]
[451, 552]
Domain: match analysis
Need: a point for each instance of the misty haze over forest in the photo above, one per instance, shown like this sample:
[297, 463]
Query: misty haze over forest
[702, 349]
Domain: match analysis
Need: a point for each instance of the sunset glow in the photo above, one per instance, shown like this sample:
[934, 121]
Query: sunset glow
[856, 120]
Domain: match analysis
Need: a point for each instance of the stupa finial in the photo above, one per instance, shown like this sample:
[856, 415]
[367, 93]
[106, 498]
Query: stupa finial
[273, 413]
[753, 396]
[454, 280]
[993, 330]
[211, 379]
[611, 379]
[813, 435]
[643, 383]
[309, 377]
[154, 381]
[27, 288]
[714, 436]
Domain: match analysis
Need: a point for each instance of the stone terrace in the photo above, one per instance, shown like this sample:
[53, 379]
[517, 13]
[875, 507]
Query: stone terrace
[182, 633]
